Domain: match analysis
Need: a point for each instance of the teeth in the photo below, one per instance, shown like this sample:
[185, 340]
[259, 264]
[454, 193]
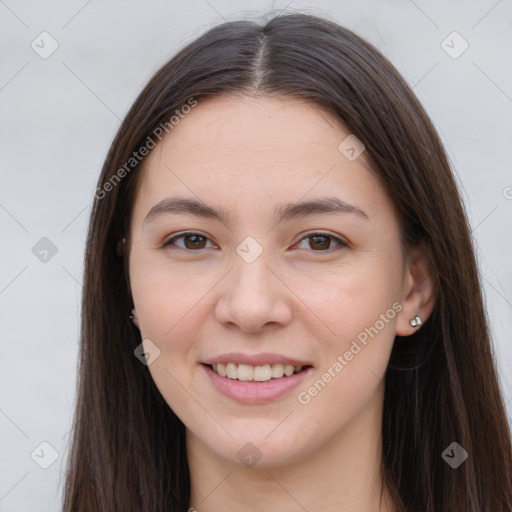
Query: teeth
[246, 372]
[277, 370]
[231, 371]
[262, 373]
[220, 369]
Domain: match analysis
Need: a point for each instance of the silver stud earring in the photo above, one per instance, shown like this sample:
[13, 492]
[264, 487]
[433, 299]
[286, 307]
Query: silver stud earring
[416, 321]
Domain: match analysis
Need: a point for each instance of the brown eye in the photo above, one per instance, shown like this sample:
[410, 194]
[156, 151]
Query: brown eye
[194, 241]
[321, 242]
[191, 241]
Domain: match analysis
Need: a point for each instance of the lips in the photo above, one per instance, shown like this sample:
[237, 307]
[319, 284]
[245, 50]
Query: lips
[256, 378]
[258, 368]
[253, 392]
[261, 359]
[260, 373]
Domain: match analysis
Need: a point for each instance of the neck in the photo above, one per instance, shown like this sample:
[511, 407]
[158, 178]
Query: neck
[345, 474]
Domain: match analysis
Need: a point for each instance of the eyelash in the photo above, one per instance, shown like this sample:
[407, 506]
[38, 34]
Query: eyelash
[341, 243]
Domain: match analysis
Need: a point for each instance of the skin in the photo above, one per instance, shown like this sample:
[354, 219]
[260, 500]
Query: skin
[248, 155]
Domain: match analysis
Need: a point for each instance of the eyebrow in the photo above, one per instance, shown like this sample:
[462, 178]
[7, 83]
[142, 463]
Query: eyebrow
[286, 212]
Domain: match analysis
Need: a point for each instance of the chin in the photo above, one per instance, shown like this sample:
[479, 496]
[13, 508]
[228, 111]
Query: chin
[261, 448]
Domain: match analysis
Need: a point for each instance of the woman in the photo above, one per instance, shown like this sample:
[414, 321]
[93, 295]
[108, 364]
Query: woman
[281, 294]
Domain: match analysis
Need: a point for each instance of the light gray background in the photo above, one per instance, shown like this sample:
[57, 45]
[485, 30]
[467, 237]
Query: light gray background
[59, 115]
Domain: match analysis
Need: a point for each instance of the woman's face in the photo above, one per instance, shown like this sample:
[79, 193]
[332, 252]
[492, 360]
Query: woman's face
[283, 251]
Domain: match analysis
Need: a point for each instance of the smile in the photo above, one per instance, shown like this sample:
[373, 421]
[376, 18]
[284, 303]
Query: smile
[260, 373]
[275, 381]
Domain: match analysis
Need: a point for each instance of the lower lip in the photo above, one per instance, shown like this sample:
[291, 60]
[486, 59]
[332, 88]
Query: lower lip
[255, 392]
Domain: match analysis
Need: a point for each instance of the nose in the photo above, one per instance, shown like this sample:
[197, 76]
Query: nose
[253, 298]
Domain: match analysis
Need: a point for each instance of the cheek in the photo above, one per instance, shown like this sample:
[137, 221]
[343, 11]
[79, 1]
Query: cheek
[351, 375]
[169, 305]
[352, 298]
[167, 300]
[358, 307]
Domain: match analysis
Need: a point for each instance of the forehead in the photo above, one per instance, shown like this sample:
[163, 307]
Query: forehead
[233, 124]
[245, 151]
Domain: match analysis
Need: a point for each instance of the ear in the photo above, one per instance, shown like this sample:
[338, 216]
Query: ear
[135, 320]
[418, 293]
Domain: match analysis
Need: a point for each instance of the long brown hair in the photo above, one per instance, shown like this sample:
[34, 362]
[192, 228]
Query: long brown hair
[128, 447]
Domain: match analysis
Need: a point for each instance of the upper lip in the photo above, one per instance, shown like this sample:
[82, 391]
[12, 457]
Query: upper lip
[256, 359]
